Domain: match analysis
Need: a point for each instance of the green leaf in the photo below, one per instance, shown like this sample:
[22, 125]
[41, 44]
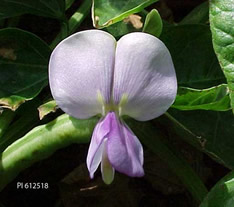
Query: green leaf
[198, 15]
[47, 108]
[51, 8]
[41, 142]
[153, 23]
[23, 72]
[222, 194]
[210, 131]
[215, 98]
[154, 139]
[107, 12]
[193, 56]
[221, 23]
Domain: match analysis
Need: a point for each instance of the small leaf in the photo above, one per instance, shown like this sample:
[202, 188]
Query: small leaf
[222, 194]
[107, 12]
[52, 8]
[23, 73]
[215, 98]
[221, 23]
[153, 23]
[47, 108]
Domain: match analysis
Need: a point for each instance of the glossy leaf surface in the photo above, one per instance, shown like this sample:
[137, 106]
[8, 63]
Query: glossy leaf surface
[52, 8]
[23, 72]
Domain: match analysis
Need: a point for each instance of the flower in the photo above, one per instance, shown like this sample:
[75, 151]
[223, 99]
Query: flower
[90, 73]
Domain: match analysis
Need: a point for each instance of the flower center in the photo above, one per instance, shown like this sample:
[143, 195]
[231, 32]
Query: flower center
[111, 106]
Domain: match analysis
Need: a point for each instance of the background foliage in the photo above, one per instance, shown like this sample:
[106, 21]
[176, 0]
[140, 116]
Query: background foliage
[187, 150]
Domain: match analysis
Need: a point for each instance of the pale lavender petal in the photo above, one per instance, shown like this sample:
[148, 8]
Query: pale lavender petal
[124, 150]
[96, 146]
[80, 69]
[144, 73]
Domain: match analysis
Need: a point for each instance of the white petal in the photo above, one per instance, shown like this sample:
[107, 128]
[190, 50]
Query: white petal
[80, 69]
[145, 74]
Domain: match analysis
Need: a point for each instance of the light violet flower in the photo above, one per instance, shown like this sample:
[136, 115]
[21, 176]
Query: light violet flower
[90, 73]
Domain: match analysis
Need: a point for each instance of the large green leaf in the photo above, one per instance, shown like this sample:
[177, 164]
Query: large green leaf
[51, 8]
[193, 56]
[222, 194]
[107, 12]
[23, 72]
[210, 131]
[222, 22]
[215, 98]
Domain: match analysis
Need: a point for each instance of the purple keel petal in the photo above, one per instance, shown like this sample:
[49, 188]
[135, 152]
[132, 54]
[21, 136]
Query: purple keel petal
[144, 73]
[96, 146]
[80, 69]
[124, 150]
